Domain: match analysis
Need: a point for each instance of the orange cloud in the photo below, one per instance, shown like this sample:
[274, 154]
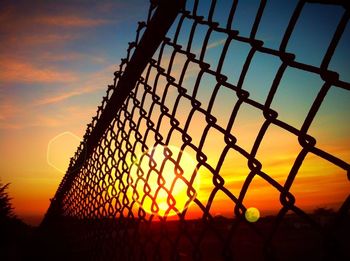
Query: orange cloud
[72, 56]
[9, 126]
[23, 72]
[47, 121]
[7, 110]
[75, 21]
[45, 38]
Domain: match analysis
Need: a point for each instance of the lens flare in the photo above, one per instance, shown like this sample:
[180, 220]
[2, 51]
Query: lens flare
[59, 150]
[163, 180]
[252, 215]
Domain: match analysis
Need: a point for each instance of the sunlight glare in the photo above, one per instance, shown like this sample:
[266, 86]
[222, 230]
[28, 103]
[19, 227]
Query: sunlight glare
[159, 184]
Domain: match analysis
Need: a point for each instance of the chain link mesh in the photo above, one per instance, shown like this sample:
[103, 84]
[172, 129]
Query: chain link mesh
[178, 131]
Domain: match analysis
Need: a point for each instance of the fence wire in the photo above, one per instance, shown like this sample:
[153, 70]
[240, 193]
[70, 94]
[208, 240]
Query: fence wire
[170, 175]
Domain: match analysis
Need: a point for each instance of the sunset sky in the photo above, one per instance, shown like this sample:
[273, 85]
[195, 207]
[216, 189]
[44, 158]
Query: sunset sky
[57, 58]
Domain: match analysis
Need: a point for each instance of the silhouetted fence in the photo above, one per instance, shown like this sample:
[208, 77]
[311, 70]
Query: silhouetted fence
[196, 109]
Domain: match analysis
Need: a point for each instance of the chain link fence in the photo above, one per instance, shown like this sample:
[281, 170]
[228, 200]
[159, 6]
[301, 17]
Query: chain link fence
[180, 146]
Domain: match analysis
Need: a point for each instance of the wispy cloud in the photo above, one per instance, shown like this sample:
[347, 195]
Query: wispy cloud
[95, 82]
[7, 109]
[58, 98]
[216, 44]
[9, 126]
[17, 19]
[72, 56]
[37, 39]
[46, 121]
[62, 96]
[23, 116]
[16, 71]
[71, 21]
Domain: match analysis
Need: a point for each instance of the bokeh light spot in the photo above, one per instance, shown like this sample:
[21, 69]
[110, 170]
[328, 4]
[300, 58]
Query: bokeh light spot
[252, 214]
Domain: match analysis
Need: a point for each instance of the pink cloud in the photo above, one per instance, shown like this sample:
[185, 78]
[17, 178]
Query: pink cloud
[9, 126]
[8, 110]
[12, 70]
[35, 39]
[95, 82]
[71, 21]
[33, 113]
[46, 121]
[72, 56]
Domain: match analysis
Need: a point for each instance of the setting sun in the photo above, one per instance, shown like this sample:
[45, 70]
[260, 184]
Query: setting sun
[163, 180]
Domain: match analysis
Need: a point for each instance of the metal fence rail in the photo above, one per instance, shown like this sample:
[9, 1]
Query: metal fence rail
[167, 106]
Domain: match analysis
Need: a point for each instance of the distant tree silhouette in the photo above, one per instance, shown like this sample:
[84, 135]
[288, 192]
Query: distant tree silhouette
[6, 209]
[15, 236]
[323, 211]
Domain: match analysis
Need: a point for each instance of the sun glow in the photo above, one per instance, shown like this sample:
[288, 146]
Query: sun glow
[163, 180]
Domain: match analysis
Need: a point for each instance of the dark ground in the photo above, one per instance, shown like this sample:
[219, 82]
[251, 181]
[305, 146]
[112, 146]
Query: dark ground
[220, 239]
